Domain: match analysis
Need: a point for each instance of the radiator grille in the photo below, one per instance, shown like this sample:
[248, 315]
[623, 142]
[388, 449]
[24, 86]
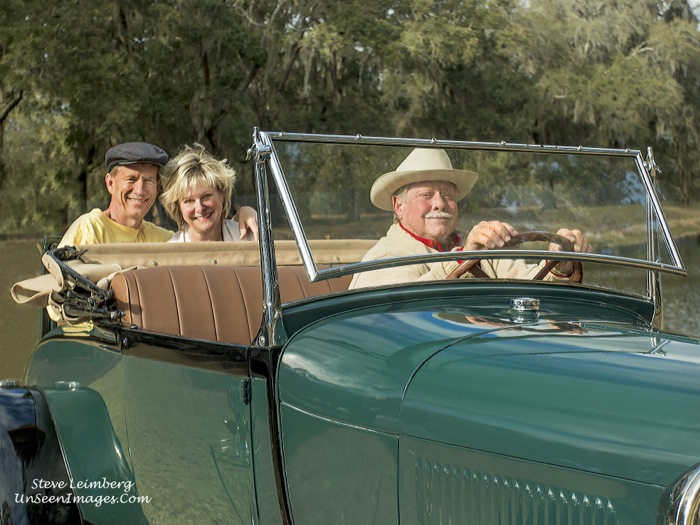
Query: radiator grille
[453, 495]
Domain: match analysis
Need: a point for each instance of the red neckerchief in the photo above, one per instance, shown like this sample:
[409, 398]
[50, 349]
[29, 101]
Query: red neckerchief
[433, 244]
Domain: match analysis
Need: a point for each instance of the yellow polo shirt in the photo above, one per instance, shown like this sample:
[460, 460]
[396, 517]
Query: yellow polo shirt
[95, 227]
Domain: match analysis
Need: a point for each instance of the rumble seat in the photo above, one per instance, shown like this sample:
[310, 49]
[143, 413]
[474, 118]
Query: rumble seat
[215, 303]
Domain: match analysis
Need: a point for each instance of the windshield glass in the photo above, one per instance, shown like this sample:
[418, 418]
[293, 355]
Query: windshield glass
[602, 193]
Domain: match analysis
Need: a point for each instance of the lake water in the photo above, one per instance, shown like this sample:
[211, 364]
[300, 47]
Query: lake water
[681, 309]
[679, 294]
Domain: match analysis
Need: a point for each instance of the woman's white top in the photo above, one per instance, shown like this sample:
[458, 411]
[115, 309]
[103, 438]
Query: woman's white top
[230, 231]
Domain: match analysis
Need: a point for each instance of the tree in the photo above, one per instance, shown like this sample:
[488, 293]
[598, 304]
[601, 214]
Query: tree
[450, 74]
[77, 77]
[78, 62]
[609, 73]
[11, 91]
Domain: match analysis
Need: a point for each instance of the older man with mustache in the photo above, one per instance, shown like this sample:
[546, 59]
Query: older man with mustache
[423, 193]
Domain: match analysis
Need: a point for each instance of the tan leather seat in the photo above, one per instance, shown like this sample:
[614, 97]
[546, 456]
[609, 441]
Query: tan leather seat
[215, 303]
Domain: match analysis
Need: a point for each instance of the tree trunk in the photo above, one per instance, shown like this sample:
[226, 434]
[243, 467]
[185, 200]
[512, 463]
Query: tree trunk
[4, 114]
[549, 201]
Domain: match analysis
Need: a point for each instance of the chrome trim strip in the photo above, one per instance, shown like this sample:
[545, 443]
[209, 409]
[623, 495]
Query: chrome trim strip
[452, 144]
[653, 278]
[496, 254]
[291, 211]
[272, 327]
[272, 331]
[651, 193]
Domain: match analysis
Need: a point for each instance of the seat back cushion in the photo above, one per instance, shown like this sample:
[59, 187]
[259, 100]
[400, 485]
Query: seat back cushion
[215, 303]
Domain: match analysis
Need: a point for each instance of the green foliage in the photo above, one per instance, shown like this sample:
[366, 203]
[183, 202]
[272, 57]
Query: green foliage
[79, 76]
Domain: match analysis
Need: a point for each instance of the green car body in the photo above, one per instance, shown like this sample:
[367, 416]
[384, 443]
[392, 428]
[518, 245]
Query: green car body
[430, 403]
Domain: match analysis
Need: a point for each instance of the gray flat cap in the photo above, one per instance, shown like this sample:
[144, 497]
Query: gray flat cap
[134, 153]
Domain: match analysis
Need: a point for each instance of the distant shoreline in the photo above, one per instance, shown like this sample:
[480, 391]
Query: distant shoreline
[21, 236]
[684, 221]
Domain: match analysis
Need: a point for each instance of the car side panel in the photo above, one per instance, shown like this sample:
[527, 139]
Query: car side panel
[341, 384]
[440, 483]
[190, 440]
[338, 473]
[266, 491]
[179, 428]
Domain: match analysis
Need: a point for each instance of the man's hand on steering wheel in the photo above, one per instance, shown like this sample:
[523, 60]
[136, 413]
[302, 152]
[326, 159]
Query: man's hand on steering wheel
[488, 235]
[565, 268]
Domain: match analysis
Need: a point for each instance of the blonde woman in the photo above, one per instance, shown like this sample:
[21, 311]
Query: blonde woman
[197, 191]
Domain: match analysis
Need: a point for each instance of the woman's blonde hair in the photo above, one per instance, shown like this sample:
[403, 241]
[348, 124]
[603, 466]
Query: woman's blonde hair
[193, 167]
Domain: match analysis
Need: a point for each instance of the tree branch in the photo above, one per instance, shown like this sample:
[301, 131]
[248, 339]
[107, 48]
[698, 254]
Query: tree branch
[12, 105]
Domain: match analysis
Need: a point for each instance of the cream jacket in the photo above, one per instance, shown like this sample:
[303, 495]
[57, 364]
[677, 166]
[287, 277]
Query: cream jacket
[398, 243]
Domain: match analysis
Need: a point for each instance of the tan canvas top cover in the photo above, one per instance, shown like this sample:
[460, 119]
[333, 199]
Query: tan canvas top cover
[101, 261]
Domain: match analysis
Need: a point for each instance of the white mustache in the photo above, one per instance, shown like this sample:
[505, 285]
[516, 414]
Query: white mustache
[439, 215]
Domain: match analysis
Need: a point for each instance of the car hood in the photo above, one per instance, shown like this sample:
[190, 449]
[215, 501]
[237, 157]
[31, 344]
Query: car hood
[569, 392]
[618, 401]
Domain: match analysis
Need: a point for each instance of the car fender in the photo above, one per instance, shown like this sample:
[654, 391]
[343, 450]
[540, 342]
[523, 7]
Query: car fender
[36, 487]
[84, 458]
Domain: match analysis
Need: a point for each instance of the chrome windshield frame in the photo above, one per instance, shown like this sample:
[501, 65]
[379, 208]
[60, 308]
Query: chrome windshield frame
[645, 169]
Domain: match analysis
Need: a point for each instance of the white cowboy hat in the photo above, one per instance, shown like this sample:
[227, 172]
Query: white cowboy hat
[422, 164]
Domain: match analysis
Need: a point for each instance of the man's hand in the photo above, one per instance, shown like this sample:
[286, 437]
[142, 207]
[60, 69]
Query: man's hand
[489, 235]
[566, 268]
[247, 219]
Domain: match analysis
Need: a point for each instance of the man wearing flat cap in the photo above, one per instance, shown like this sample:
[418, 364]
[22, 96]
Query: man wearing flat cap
[132, 182]
[423, 193]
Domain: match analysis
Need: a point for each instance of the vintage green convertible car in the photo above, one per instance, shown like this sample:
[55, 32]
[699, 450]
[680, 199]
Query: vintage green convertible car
[250, 382]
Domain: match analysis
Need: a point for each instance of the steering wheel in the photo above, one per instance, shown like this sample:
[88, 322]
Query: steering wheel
[470, 264]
